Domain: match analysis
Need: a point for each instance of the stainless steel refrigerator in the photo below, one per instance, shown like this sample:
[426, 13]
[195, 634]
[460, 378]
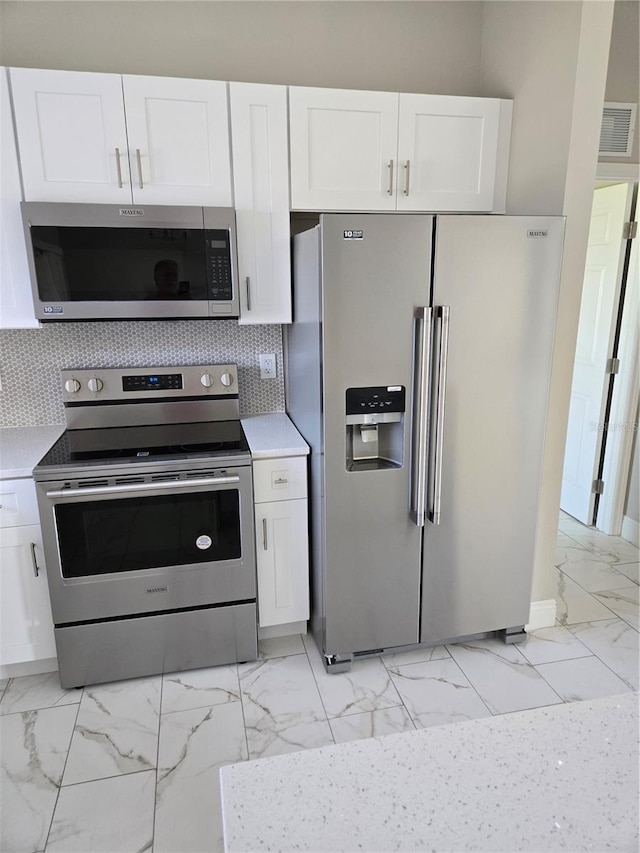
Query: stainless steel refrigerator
[418, 368]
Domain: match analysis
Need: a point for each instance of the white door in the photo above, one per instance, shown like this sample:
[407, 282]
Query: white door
[447, 150]
[343, 149]
[261, 190]
[72, 138]
[598, 314]
[178, 140]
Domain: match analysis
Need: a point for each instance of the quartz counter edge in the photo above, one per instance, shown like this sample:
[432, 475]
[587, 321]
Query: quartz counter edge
[272, 436]
[21, 448]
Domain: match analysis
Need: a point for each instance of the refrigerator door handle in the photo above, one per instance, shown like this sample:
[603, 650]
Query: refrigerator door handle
[442, 315]
[423, 320]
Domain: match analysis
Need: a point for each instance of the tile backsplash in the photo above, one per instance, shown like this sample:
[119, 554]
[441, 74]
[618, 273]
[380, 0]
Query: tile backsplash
[31, 360]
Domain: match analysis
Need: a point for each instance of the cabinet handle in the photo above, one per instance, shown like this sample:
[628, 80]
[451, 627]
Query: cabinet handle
[34, 560]
[118, 168]
[390, 190]
[407, 166]
[264, 535]
[248, 283]
[139, 160]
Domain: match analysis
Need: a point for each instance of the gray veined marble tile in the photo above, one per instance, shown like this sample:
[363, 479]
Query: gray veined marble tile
[279, 647]
[372, 724]
[34, 749]
[503, 677]
[193, 746]
[586, 569]
[616, 644]
[611, 549]
[367, 687]
[105, 816]
[630, 570]
[574, 604]
[571, 526]
[200, 688]
[552, 644]
[392, 661]
[586, 678]
[282, 707]
[565, 541]
[3, 684]
[438, 692]
[116, 731]
[31, 692]
[623, 602]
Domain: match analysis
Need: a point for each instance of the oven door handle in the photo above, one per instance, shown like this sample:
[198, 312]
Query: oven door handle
[142, 487]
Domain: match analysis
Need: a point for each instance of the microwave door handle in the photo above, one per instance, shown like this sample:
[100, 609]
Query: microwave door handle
[423, 321]
[442, 313]
[126, 488]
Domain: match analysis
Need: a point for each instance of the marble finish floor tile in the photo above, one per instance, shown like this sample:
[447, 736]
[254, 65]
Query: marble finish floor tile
[565, 541]
[611, 549]
[623, 602]
[587, 570]
[200, 688]
[105, 816]
[630, 570]
[547, 645]
[32, 692]
[373, 724]
[283, 711]
[3, 685]
[279, 647]
[34, 748]
[503, 677]
[116, 730]
[437, 692]
[571, 526]
[193, 746]
[574, 604]
[367, 687]
[585, 678]
[616, 644]
[393, 660]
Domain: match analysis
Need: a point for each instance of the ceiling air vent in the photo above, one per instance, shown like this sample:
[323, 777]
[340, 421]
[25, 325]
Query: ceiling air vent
[616, 134]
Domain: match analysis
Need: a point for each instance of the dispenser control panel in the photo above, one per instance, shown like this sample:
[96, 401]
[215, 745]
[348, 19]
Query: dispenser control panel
[377, 399]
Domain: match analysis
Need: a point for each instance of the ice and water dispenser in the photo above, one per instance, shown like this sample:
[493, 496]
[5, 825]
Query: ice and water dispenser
[375, 425]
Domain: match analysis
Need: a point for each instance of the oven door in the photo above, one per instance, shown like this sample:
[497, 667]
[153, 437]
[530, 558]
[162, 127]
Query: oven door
[148, 543]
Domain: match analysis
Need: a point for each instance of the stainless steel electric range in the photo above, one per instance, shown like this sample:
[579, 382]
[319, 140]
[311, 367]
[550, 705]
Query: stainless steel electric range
[146, 505]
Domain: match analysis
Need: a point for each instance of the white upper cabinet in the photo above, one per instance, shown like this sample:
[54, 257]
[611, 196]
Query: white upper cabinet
[355, 150]
[89, 137]
[16, 307]
[261, 189]
[178, 133]
[72, 136]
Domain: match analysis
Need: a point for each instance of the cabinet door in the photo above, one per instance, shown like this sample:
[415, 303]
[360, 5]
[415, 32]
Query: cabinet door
[16, 304]
[26, 625]
[261, 190]
[283, 562]
[72, 138]
[447, 149]
[178, 140]
[343, 149]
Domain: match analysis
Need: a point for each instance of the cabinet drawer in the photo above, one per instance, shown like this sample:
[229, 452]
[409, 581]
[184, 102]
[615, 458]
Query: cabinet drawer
[280, 479]
[18, 504]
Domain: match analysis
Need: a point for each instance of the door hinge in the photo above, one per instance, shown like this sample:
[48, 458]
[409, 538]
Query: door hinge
[598, 487]
[630, 230]
[613, 366]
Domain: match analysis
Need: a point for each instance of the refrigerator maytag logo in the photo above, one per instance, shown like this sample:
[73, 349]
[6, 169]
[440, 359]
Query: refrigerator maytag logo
[53, 309]
[533, 233]
[131, 211]
[353, 235]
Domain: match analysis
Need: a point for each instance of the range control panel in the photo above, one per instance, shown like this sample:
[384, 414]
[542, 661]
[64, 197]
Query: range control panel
[375, 400]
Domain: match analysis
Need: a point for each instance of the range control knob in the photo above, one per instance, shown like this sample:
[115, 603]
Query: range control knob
[226, 379]
[95, 385]
[72, 386]
[206, 380]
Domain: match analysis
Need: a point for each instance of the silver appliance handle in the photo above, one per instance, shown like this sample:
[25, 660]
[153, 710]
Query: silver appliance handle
[265, 546]
[142, 487]
[407, 167]
[118, 168]
[34, 560]
[421, 414]
[442, 314]
[248, 283]
[390, 189]
[139, 161]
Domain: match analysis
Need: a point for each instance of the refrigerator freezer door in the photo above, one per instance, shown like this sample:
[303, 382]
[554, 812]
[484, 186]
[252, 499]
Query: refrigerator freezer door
[500, 277]
[376, 272]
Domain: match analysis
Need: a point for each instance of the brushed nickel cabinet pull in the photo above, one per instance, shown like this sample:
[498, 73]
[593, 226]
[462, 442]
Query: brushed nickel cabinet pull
[34, 560]
[139, 160]
[248, 283]
[118, 168]
[264, 534]
[407, 167]
[390, 190]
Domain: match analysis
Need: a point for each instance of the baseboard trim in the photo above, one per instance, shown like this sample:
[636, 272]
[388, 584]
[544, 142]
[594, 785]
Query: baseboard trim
[542, 614]
[631, 530]
[282, 630]
[29, 667]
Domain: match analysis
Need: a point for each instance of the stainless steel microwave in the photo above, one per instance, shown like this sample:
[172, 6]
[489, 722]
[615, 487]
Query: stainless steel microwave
[107, 262]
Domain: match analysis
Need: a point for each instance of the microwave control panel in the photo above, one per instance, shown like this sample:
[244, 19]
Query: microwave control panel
[219, 265]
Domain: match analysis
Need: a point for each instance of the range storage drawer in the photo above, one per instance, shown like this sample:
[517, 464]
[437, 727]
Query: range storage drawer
[18, 504]
[283, 479]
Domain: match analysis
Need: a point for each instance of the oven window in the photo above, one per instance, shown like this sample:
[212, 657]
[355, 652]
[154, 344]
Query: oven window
[128, 534]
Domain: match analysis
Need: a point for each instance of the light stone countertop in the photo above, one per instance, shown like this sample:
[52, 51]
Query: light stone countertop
[563, 777]
[273, 435]
[23, 447]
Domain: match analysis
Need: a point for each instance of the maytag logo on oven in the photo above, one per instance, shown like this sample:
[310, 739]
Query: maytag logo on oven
[158, 589]
[53, 309]
[131, 211]
[534, 233]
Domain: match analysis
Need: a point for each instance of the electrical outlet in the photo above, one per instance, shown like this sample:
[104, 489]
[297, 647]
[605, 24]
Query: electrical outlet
[268, 366]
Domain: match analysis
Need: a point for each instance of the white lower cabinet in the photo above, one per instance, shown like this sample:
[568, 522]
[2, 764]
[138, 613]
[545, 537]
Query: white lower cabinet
[282, 544]
[26, 624]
